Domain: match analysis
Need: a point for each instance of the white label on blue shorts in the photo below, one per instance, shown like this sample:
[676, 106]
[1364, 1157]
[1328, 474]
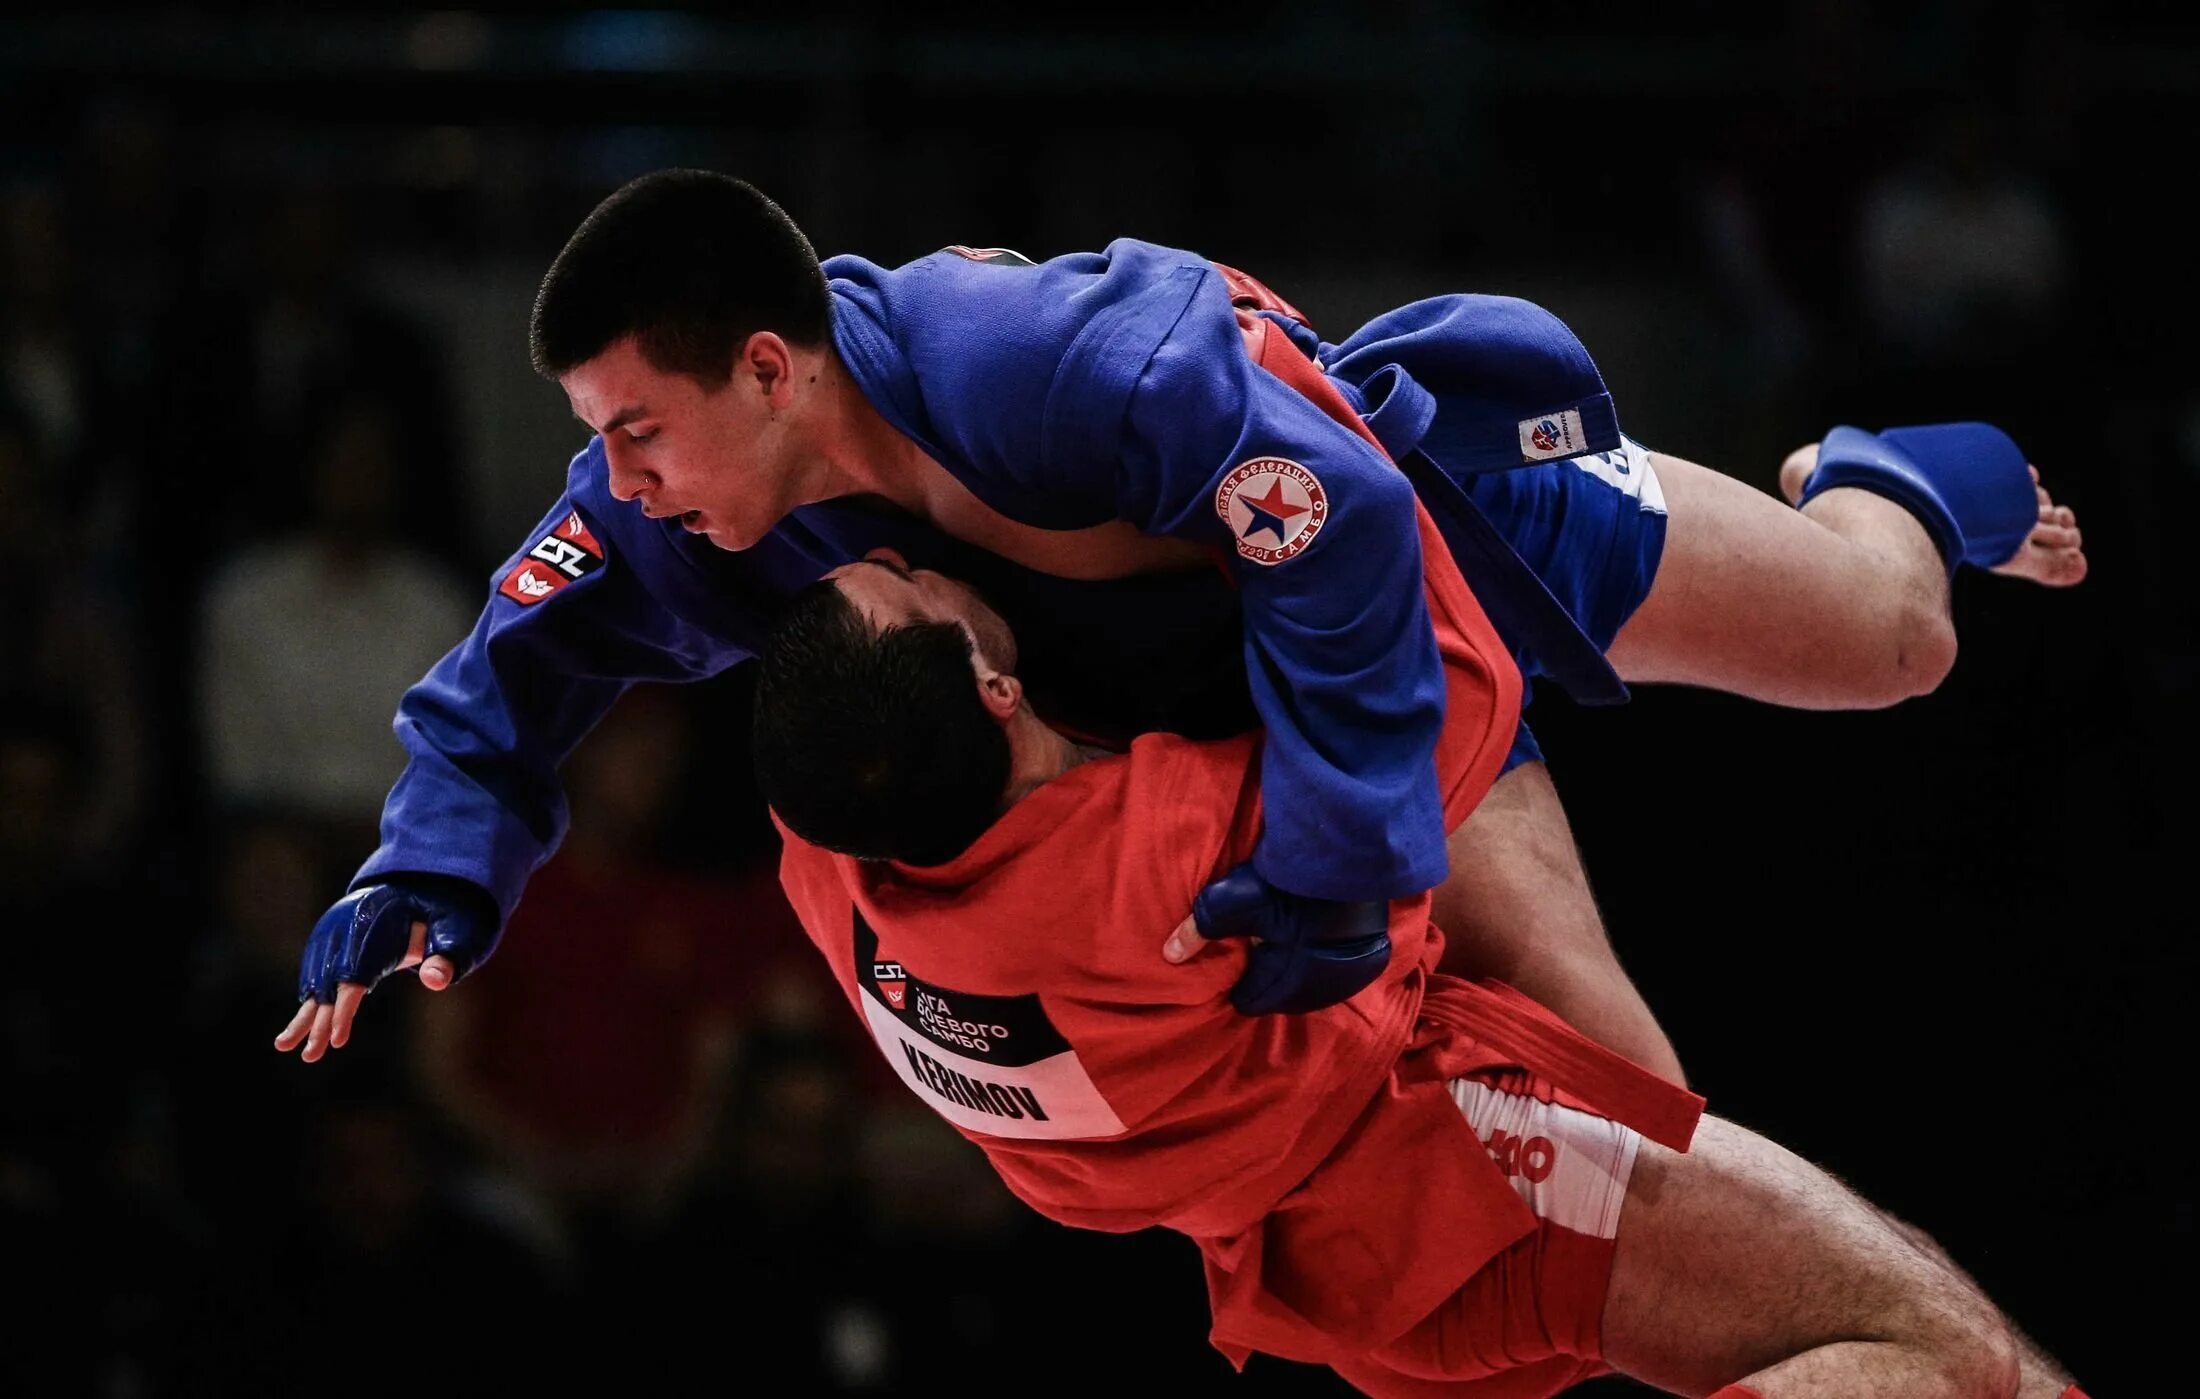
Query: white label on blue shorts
[1552, 436]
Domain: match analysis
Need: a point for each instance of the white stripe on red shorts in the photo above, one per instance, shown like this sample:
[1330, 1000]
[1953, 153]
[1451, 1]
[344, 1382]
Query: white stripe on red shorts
[1570, 1166]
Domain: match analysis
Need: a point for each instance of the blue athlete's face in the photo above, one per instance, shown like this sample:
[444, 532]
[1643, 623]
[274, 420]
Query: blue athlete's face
[725, 460]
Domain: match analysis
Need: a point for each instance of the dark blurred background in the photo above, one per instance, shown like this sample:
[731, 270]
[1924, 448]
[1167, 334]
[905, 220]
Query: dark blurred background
[267, 426]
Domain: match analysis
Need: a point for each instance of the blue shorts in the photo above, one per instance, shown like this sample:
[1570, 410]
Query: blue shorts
[1593, 529]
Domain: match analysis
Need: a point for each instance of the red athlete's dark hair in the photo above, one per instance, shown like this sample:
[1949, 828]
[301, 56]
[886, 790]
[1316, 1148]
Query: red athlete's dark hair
[874, 743]
[689, 262]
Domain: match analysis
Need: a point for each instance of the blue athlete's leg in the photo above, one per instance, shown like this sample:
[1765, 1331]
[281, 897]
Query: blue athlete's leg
[1516, 906]
[1967, 483]
[1840, 605]
[2052, 551]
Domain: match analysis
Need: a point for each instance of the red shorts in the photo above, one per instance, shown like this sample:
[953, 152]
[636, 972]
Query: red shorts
[1529, 1323]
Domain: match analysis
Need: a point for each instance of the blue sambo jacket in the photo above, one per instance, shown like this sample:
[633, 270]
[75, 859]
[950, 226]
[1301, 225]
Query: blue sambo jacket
[1091, 387]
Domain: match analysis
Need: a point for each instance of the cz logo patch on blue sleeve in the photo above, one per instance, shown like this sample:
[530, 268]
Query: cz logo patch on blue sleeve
[564, 554]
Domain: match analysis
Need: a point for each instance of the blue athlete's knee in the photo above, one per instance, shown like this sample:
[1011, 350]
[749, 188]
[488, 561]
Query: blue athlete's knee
[1967, 483]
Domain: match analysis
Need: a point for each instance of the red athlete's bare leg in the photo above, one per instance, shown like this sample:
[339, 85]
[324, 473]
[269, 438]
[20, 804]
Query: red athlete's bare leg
[1742, 1263]
[2043, 1376]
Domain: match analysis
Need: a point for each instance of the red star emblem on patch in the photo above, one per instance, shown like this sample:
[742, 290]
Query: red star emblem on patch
[1273, 507]
[1275, 504]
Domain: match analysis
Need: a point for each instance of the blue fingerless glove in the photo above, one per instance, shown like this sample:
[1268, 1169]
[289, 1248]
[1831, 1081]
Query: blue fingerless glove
[363, 936]
[1311, 952]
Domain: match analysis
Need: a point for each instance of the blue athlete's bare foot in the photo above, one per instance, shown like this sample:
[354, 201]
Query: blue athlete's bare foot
[1796, 470]
[2052, 555]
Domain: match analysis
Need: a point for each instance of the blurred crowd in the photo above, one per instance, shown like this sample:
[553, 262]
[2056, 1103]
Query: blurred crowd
[245, 509]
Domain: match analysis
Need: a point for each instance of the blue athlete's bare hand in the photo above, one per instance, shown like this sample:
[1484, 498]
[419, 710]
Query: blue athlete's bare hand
[321, 1026]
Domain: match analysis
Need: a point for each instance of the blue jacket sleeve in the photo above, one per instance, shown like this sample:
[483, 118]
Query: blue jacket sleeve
[588, 606]
[1320, 532]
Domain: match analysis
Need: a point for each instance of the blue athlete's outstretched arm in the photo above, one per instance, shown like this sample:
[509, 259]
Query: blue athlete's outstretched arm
[576, 616]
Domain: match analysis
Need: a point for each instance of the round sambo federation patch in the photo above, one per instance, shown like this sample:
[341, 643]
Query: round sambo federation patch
[1273, 507]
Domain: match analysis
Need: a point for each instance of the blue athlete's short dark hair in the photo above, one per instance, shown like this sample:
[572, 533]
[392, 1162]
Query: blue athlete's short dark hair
[691, 263]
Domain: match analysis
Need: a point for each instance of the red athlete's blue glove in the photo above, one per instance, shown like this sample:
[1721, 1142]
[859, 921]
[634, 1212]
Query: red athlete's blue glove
[1309, 952]
[363, 936]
